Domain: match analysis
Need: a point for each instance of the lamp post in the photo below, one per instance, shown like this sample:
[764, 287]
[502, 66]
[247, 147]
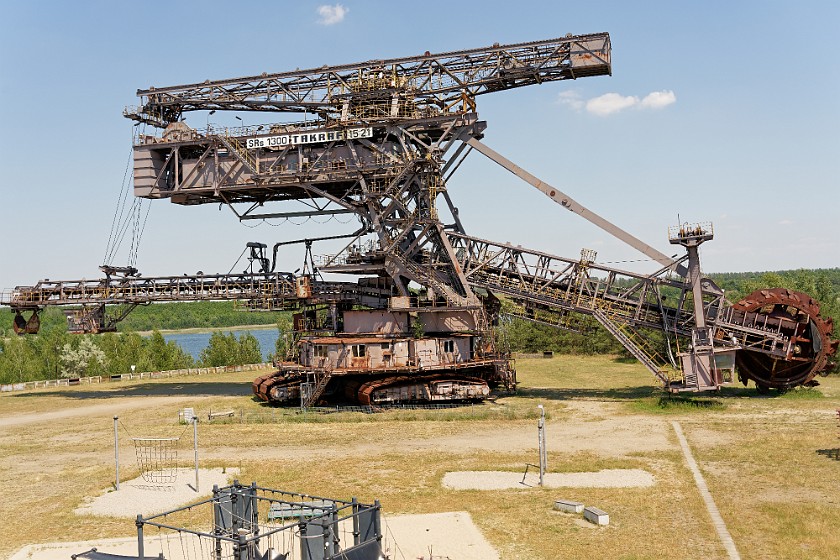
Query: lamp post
[541, 436]
[117, 452]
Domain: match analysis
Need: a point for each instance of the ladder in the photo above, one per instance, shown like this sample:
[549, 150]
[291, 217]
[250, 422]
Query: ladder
[241, 153]
[318, 390]
[644, 355]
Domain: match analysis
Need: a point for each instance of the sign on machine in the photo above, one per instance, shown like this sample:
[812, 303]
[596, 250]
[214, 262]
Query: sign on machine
[308, 138]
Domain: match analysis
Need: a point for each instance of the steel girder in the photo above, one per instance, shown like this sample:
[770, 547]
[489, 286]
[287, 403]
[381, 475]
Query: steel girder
[428, 84]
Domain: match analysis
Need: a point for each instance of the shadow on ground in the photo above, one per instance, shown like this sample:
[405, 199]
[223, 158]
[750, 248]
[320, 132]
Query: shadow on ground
[156, 389]
[616, 394]
[642, 392]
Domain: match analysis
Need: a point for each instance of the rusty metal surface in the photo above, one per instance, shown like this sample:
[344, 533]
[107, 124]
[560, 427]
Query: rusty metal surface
[811, 347]
[357, 383]
[423, 389]
[275, 291]
[765, 334]
[415, 121]
[433, 82]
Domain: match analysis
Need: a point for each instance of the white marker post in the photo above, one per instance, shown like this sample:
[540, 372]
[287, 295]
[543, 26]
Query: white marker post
[195, 448]
[117, 451]
[541, 436]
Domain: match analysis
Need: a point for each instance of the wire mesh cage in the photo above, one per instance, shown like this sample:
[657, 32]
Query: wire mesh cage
[254, 523]
[157, 459]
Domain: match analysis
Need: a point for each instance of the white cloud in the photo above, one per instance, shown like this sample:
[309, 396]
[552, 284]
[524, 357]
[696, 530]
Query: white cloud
[610, 103]
[330, 15]
[659, 99]
[786, 222]
[571, 98]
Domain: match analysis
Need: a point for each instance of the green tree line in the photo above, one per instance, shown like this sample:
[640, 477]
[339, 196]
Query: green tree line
[54, 353]
[168, 316]
[199, 314]
[823, 285]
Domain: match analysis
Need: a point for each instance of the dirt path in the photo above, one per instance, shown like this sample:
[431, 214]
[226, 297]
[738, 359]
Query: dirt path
[618, 437]
[594, 427]
[119, 405]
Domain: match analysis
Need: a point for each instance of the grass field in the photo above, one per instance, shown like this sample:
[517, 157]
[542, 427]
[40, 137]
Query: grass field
[776, 491]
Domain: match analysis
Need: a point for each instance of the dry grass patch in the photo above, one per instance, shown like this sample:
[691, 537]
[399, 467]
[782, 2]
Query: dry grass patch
[759, 456]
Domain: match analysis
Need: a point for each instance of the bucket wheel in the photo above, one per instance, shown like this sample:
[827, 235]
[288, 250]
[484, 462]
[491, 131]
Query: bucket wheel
[798, 316]
[22, 326]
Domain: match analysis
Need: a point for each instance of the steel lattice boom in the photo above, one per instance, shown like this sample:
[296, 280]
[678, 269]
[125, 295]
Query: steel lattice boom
[385, 138]
[435, 81]
[258, 291]
[555, 291]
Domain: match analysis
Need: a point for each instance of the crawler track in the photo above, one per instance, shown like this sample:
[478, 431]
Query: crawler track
[283, 388]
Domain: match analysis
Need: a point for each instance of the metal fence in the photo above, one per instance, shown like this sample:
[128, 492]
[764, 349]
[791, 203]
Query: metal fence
[270, 415]
[68, 382]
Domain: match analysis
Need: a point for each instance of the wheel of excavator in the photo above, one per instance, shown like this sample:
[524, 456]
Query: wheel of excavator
[812, 336]
[21, 326]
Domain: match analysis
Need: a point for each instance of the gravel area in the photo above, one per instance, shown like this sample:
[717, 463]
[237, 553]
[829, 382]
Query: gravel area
[451, 535]
[499, 480]
[139, 497]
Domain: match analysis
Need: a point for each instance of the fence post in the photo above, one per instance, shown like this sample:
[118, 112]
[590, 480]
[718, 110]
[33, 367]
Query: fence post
[117, 451]
[541, 435]
[195, 448]
[140, 545]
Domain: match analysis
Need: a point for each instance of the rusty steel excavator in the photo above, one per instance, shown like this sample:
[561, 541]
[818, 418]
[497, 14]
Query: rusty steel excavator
[379, 142]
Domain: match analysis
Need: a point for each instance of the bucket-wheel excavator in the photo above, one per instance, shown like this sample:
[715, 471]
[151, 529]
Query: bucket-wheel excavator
[379, 141]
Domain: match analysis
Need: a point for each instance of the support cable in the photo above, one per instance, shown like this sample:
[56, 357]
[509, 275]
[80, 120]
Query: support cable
[123, 229]
[239, 258]
[138, 232]
[118, 211]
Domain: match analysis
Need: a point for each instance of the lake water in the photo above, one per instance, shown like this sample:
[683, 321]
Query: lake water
[194, 342]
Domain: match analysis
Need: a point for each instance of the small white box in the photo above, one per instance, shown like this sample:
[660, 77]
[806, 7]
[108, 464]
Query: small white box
[596, 516]
[568, 506]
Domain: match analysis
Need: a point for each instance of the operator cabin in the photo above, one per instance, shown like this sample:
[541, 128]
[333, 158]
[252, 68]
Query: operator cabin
[380, 340]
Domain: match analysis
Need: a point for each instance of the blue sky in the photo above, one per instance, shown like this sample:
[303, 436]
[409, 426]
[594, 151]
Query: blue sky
[741, 129]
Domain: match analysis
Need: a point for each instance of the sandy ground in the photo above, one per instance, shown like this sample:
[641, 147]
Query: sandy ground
[116, 407]
[439, 535]
[594, 432]
[139, 497]
[593, 429]
[499, 480]
[451, 535]
[447, 535]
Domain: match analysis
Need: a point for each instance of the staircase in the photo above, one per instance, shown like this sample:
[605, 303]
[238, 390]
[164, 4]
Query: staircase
[636, 345]
[322, 379]
[452, 297]
[242, 154]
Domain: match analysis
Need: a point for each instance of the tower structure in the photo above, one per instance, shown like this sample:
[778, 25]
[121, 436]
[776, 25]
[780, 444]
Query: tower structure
[379, 140]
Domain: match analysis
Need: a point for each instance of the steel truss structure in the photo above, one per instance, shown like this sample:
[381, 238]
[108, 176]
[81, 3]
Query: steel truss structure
[386, 137]
[379, 89]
